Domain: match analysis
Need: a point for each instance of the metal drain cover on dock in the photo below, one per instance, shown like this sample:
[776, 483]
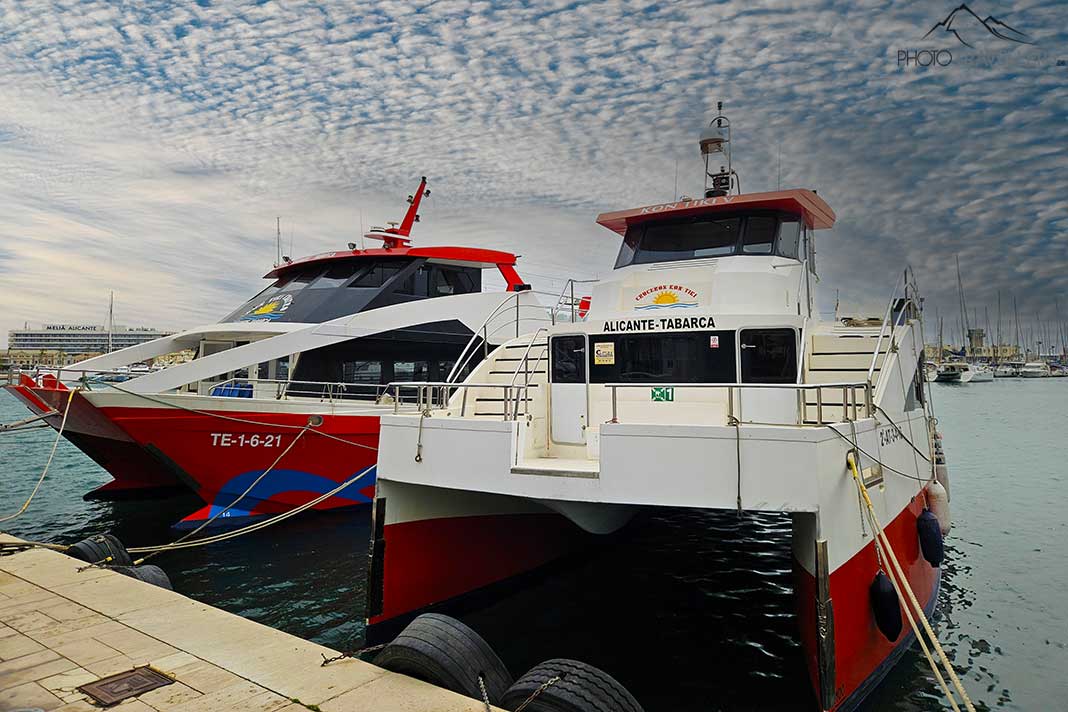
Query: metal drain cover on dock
[115, 688]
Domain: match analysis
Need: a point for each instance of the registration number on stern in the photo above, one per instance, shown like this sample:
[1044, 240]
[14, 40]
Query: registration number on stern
[245, 440]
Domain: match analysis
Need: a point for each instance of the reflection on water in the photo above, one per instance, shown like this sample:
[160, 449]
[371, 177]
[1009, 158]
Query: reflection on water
[690, 610]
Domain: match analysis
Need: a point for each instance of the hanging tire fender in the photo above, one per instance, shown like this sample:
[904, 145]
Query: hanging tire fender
[562, 685]
[445, 652]
[149, 573]
[101, 548]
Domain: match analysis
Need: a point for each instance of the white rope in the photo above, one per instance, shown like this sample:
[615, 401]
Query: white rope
[44, 472]
[252, 527]
[241, 496]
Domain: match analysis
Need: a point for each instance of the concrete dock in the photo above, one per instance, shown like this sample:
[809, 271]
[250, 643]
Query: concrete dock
[61, 628]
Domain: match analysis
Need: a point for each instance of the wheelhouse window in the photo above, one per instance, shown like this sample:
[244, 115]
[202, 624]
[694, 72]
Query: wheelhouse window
[306, 276]
[690, 357]
[432, 280]
[759, 235]
[378, 273]
[336, 275]
[705, 236]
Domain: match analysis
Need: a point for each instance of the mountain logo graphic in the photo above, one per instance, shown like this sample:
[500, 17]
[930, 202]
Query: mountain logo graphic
[964, 24]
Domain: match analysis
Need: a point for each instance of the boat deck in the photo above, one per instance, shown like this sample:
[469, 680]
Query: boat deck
[61, 628]
[558, 467]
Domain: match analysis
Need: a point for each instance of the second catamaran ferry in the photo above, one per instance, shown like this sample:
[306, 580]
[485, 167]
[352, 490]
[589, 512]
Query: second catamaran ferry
[291, 382]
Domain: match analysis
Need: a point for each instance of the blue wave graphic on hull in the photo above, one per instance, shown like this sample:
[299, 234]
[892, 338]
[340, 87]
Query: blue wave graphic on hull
[281, 481]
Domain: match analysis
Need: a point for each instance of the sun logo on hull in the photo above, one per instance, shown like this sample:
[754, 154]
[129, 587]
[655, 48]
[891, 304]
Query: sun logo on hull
[666, 298]
[269, 309]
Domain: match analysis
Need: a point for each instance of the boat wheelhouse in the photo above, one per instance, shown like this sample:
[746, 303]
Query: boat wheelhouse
[310, 355]
[702, 377]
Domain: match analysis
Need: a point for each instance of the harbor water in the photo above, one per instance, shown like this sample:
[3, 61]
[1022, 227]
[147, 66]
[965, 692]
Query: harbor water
[690, 610]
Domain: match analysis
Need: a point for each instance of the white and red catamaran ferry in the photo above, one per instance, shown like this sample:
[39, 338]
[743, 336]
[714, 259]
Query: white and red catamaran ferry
[311, 352]
[701, 377]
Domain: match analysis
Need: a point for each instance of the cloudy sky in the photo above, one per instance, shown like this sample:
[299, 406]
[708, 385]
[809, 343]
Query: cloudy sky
[146, 147]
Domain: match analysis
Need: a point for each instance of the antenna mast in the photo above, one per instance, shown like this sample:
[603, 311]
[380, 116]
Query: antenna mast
[277, 241]
[394, 236]
[716, 138]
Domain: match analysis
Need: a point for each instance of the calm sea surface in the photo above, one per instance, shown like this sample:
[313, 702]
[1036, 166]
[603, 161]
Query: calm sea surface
[690, 610]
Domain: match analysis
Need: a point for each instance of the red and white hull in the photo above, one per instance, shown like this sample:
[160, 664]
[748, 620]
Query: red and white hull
[135, 472]
[219, 453]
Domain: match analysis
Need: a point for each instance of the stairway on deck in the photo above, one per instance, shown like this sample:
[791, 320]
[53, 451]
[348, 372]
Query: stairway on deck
[502, 367]
[841, 357]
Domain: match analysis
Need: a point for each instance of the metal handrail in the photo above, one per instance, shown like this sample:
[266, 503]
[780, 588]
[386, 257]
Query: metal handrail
[426, 391]
[886, 320]
[523, 364]
[465, 357]
[526, 354]
[483, 331]
[569, 285]
[290, 388]
[849, 395]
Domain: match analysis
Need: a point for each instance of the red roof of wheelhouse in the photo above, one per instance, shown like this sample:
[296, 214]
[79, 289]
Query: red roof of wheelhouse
[816, 213]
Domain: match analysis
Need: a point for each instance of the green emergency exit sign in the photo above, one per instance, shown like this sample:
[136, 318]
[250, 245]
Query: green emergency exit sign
[664, 395]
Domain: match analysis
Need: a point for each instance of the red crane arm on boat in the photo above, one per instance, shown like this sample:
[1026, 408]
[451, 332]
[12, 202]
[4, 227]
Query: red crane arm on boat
[812, 208]
[405, 228]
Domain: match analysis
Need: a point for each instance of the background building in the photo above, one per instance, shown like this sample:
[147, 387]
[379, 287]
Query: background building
[79, 338]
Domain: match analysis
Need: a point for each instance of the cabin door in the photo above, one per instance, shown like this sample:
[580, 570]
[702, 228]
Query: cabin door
[768, 356]
[568, 391]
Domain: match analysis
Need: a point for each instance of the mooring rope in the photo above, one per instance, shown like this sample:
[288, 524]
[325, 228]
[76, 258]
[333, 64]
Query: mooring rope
[51, 455]
[902, 585]
[235, 419]
[241, 496]
[183, 542]
[250, 528]
[876, 460]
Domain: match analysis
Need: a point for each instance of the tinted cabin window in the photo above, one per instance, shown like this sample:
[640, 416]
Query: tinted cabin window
[759, 235]
[769, 356]
[361, 372]
[441, 281]
[683, 241]
[447, 280]
[376, 275]
[789, 238]
[762, 233]
[307, 275]
[692, 357]
[335, 275]
[569, 359]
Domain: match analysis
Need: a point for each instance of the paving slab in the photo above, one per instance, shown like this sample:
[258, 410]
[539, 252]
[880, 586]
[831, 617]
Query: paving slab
[62, 625]
[16, 645]
[29, 695]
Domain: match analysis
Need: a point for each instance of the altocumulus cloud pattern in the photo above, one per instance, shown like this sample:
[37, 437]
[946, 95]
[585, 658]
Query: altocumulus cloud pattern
[146, 147]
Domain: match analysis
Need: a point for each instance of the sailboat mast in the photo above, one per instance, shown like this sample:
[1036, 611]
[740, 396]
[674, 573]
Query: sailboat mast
[1016, 311]
[963, 310]
[997, 343]
[111, 319]
[940, 346]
